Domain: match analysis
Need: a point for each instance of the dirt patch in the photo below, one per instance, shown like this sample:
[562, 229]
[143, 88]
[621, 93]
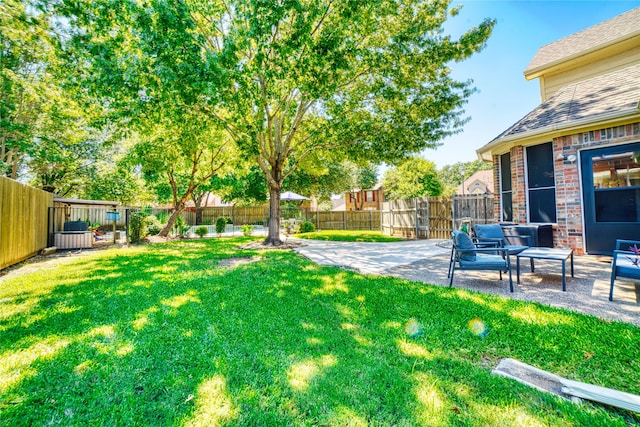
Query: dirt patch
[261, 245]
[236, 261]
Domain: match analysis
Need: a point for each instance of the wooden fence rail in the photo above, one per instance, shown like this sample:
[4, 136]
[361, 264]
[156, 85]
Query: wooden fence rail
[23, 221]
[434, 217]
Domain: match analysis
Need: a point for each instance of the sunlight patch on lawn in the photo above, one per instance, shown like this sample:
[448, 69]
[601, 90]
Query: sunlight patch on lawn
[15, 366]
[302, 373]
[533, 315]
[332, 284]
[344, 416]
[180, 300]
[213, 404]
[313, 341]
[412, 349]
[509, 414]
[432, 404]
[10, 308]
[142, 319]
[106, 341]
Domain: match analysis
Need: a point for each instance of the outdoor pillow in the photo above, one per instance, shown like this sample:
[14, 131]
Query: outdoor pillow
[488, 231]
[464, 244]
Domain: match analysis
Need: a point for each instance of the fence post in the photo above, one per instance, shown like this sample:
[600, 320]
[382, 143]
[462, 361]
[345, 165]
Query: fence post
[415, 215]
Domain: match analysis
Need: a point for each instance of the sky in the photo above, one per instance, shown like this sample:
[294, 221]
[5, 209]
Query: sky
[503, 95]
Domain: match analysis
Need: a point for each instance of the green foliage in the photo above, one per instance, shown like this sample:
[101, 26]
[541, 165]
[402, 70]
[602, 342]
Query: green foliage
[166, 334]
[306, 227]
[247, 229]
[138, 226]
[153, 225]
[367, 80]
[451, 175]
[221, 224]
[202, 231]
[180, 227]
[414, 177]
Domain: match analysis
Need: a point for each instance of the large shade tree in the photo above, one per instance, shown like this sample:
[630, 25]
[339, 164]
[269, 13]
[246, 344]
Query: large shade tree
[367, 79]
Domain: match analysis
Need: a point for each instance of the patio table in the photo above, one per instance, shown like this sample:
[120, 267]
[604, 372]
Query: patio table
[546, 253]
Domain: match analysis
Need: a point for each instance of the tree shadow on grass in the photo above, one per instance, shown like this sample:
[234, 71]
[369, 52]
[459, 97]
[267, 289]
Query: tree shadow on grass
[165, 336]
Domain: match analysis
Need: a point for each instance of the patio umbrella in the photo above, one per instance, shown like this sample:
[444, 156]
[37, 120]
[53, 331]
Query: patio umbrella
[289, 196]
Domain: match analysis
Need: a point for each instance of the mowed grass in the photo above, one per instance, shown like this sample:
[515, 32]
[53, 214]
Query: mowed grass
[178, 335]
[349, 236]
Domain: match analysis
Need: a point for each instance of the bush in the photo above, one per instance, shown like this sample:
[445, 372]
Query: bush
[153, 225]
[202, 231]
[221, 224]
[247, 229]
[306, 227]
[137, 226]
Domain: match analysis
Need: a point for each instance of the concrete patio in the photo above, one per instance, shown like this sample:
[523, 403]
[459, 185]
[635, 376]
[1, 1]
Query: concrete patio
[428, 260]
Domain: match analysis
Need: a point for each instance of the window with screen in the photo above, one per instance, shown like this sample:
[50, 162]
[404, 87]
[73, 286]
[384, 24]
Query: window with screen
[616, 181]
[541, 183]
[506, 193]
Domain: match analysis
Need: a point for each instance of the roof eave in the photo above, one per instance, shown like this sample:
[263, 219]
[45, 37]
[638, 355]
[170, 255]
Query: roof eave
[538, 71]
[555, 130]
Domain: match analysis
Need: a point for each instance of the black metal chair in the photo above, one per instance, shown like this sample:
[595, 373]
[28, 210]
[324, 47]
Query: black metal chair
[626, 262]
[467, 256]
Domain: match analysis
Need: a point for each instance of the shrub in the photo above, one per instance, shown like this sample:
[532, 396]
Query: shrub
[306, 227]
[221, 224]
[202, 231]
[137, 226]
[153, 225]
[178, 226]
[247, 229]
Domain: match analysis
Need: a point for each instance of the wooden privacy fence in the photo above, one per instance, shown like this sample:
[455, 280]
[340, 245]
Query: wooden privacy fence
[434, 217]
[475, 209]
[23, 221]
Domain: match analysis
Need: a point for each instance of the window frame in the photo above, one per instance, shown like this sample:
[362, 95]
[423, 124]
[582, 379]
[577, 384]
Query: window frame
[540, 189]
[502, 191]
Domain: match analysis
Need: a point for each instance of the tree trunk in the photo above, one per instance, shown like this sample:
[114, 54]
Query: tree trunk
[172, 219]
[273, 238]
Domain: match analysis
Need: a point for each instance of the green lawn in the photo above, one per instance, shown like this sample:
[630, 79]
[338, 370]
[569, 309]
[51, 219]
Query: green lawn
[349, 236]
[164, 335]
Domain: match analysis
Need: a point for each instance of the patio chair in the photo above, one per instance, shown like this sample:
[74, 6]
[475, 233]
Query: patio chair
[468, 256]
[492, 233]
[625, 262]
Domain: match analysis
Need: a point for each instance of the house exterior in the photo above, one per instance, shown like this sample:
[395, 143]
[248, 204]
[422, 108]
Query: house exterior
[479, 183]
[364, 200]
[574, 161]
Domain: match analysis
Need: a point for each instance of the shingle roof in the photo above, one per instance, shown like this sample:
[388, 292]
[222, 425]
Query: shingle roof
[602, 34]
[608, 93]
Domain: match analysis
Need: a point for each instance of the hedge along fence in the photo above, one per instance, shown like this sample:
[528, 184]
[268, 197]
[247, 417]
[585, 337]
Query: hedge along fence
[23, 221]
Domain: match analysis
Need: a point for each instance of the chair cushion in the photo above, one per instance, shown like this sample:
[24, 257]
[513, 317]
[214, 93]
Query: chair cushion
[485, 262]
[625, 267]
[464, 245]
[488, 231]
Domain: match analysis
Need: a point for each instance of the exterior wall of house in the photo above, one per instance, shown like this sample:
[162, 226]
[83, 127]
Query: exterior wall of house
[375, 204]
[551, 82]
[569, 228]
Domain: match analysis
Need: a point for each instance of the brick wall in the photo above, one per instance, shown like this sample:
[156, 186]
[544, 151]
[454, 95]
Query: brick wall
[569, 232]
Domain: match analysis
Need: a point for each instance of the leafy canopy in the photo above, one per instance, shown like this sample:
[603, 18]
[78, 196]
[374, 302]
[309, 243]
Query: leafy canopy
[415, 177]
[365, 80]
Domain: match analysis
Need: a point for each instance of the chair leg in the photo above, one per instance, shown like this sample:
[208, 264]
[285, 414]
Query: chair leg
[532, 266]
[510, 281]
[453, 269]
[613, 279]
[500, 274]
[450, 263]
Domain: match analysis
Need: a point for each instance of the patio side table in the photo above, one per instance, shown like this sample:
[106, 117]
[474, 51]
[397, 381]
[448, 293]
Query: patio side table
[547, 253]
